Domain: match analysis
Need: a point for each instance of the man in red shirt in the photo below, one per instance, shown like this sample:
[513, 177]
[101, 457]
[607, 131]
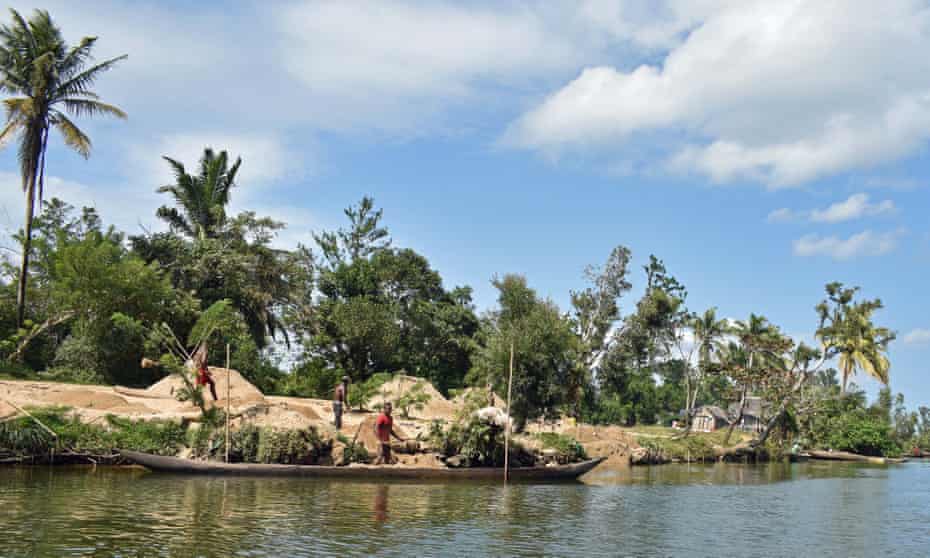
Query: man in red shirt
[384, 429]
[204, 378]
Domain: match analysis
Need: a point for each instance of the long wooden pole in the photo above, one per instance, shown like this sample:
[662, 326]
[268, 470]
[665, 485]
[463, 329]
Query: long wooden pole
[227, 402]
[507, 430]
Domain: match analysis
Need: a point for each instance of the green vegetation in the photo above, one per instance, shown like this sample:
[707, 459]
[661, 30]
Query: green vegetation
[23, 437]
[692, 448]
[565, 445]
[251, 444]
[353, 451]
[476, 443]
[414, 398]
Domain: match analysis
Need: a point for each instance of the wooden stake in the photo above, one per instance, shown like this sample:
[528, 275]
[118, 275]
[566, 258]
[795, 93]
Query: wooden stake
[507, 430]
[227, 402]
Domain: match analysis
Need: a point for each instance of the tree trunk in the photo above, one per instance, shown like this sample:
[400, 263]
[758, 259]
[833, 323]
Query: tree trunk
[27, 248]
[739, 417]
[36, 331]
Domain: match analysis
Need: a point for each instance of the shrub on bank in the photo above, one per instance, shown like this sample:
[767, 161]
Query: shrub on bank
[23, 437]
[565, 445]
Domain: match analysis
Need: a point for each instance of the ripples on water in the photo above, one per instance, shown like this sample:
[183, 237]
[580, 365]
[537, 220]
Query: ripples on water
[809, 509]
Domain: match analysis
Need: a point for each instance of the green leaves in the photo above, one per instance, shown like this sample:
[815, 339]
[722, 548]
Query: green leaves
[201, 199]
[218, 318]
[848, 332]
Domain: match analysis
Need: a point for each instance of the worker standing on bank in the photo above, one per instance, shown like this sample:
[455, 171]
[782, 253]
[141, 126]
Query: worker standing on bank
[384, 429]
[340, 398]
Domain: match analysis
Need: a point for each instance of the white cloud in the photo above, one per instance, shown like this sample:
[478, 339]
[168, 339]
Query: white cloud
[782, 215]
[855, 207]
[865, 243]
[917, 337]
[372, 64]
[778, 92]
[892, 183]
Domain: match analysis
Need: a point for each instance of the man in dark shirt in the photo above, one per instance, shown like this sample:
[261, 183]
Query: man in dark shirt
[339, 400]
[384, 429]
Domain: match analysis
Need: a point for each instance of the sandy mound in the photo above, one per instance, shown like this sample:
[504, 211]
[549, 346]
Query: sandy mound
[6, 410]
[276, 417]
[241, 390]
[87, 399]
[304, 410]
[367, 436]
[438, 407]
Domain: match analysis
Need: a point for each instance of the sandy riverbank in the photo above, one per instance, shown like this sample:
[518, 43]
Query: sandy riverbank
[92, 403]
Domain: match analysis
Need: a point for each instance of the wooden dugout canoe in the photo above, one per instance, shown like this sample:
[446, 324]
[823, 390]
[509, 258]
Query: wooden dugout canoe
[854, 457]
[375, 472]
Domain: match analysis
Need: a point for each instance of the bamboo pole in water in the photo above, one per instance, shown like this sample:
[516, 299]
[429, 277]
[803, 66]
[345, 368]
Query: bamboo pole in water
[507, 429]
[227, 402]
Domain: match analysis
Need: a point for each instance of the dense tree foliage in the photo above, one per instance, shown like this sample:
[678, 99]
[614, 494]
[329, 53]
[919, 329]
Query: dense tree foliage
[546, 372]
[378, 308]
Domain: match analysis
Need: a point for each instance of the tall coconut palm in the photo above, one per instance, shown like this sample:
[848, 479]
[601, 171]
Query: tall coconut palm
[48, 81]
[755, 336]
[201, 199]
[861, 346]
[708, 334]
[847, 331]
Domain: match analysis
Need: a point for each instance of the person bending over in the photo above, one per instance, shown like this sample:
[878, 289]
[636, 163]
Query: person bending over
[204, 377]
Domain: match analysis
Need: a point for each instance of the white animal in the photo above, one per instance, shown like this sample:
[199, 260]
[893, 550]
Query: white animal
[493, 415]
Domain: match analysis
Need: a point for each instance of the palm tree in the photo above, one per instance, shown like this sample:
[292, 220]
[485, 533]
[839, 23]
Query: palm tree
[847, 331]
[203, 198]
[755, 336]
[44, 75]
[708, 334]
[861, 346]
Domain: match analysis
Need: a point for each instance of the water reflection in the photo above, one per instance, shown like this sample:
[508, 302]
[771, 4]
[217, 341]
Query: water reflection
[381, 504]
[772, 510]
[726, 473]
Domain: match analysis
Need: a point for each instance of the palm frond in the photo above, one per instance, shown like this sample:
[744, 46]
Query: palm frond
[72, 135]
[82, 107]
[85, 79]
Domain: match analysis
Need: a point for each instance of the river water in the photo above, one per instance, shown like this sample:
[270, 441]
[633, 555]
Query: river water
[807, 509]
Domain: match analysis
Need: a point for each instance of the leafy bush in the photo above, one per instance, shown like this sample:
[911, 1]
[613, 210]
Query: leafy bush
[864, 434]
[361, 394]
[846, 424]
[565, 445]
[479, 443]
[23, 437]
[311, 378]
[415, 398]
[353, 452]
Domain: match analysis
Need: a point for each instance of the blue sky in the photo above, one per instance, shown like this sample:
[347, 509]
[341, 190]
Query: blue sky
[761, 149]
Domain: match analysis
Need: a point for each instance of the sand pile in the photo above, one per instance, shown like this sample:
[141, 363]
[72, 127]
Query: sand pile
[438, 407]
[276, 417]
[85, 398]
[241, 390]
[367, 436]
[6, 410]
